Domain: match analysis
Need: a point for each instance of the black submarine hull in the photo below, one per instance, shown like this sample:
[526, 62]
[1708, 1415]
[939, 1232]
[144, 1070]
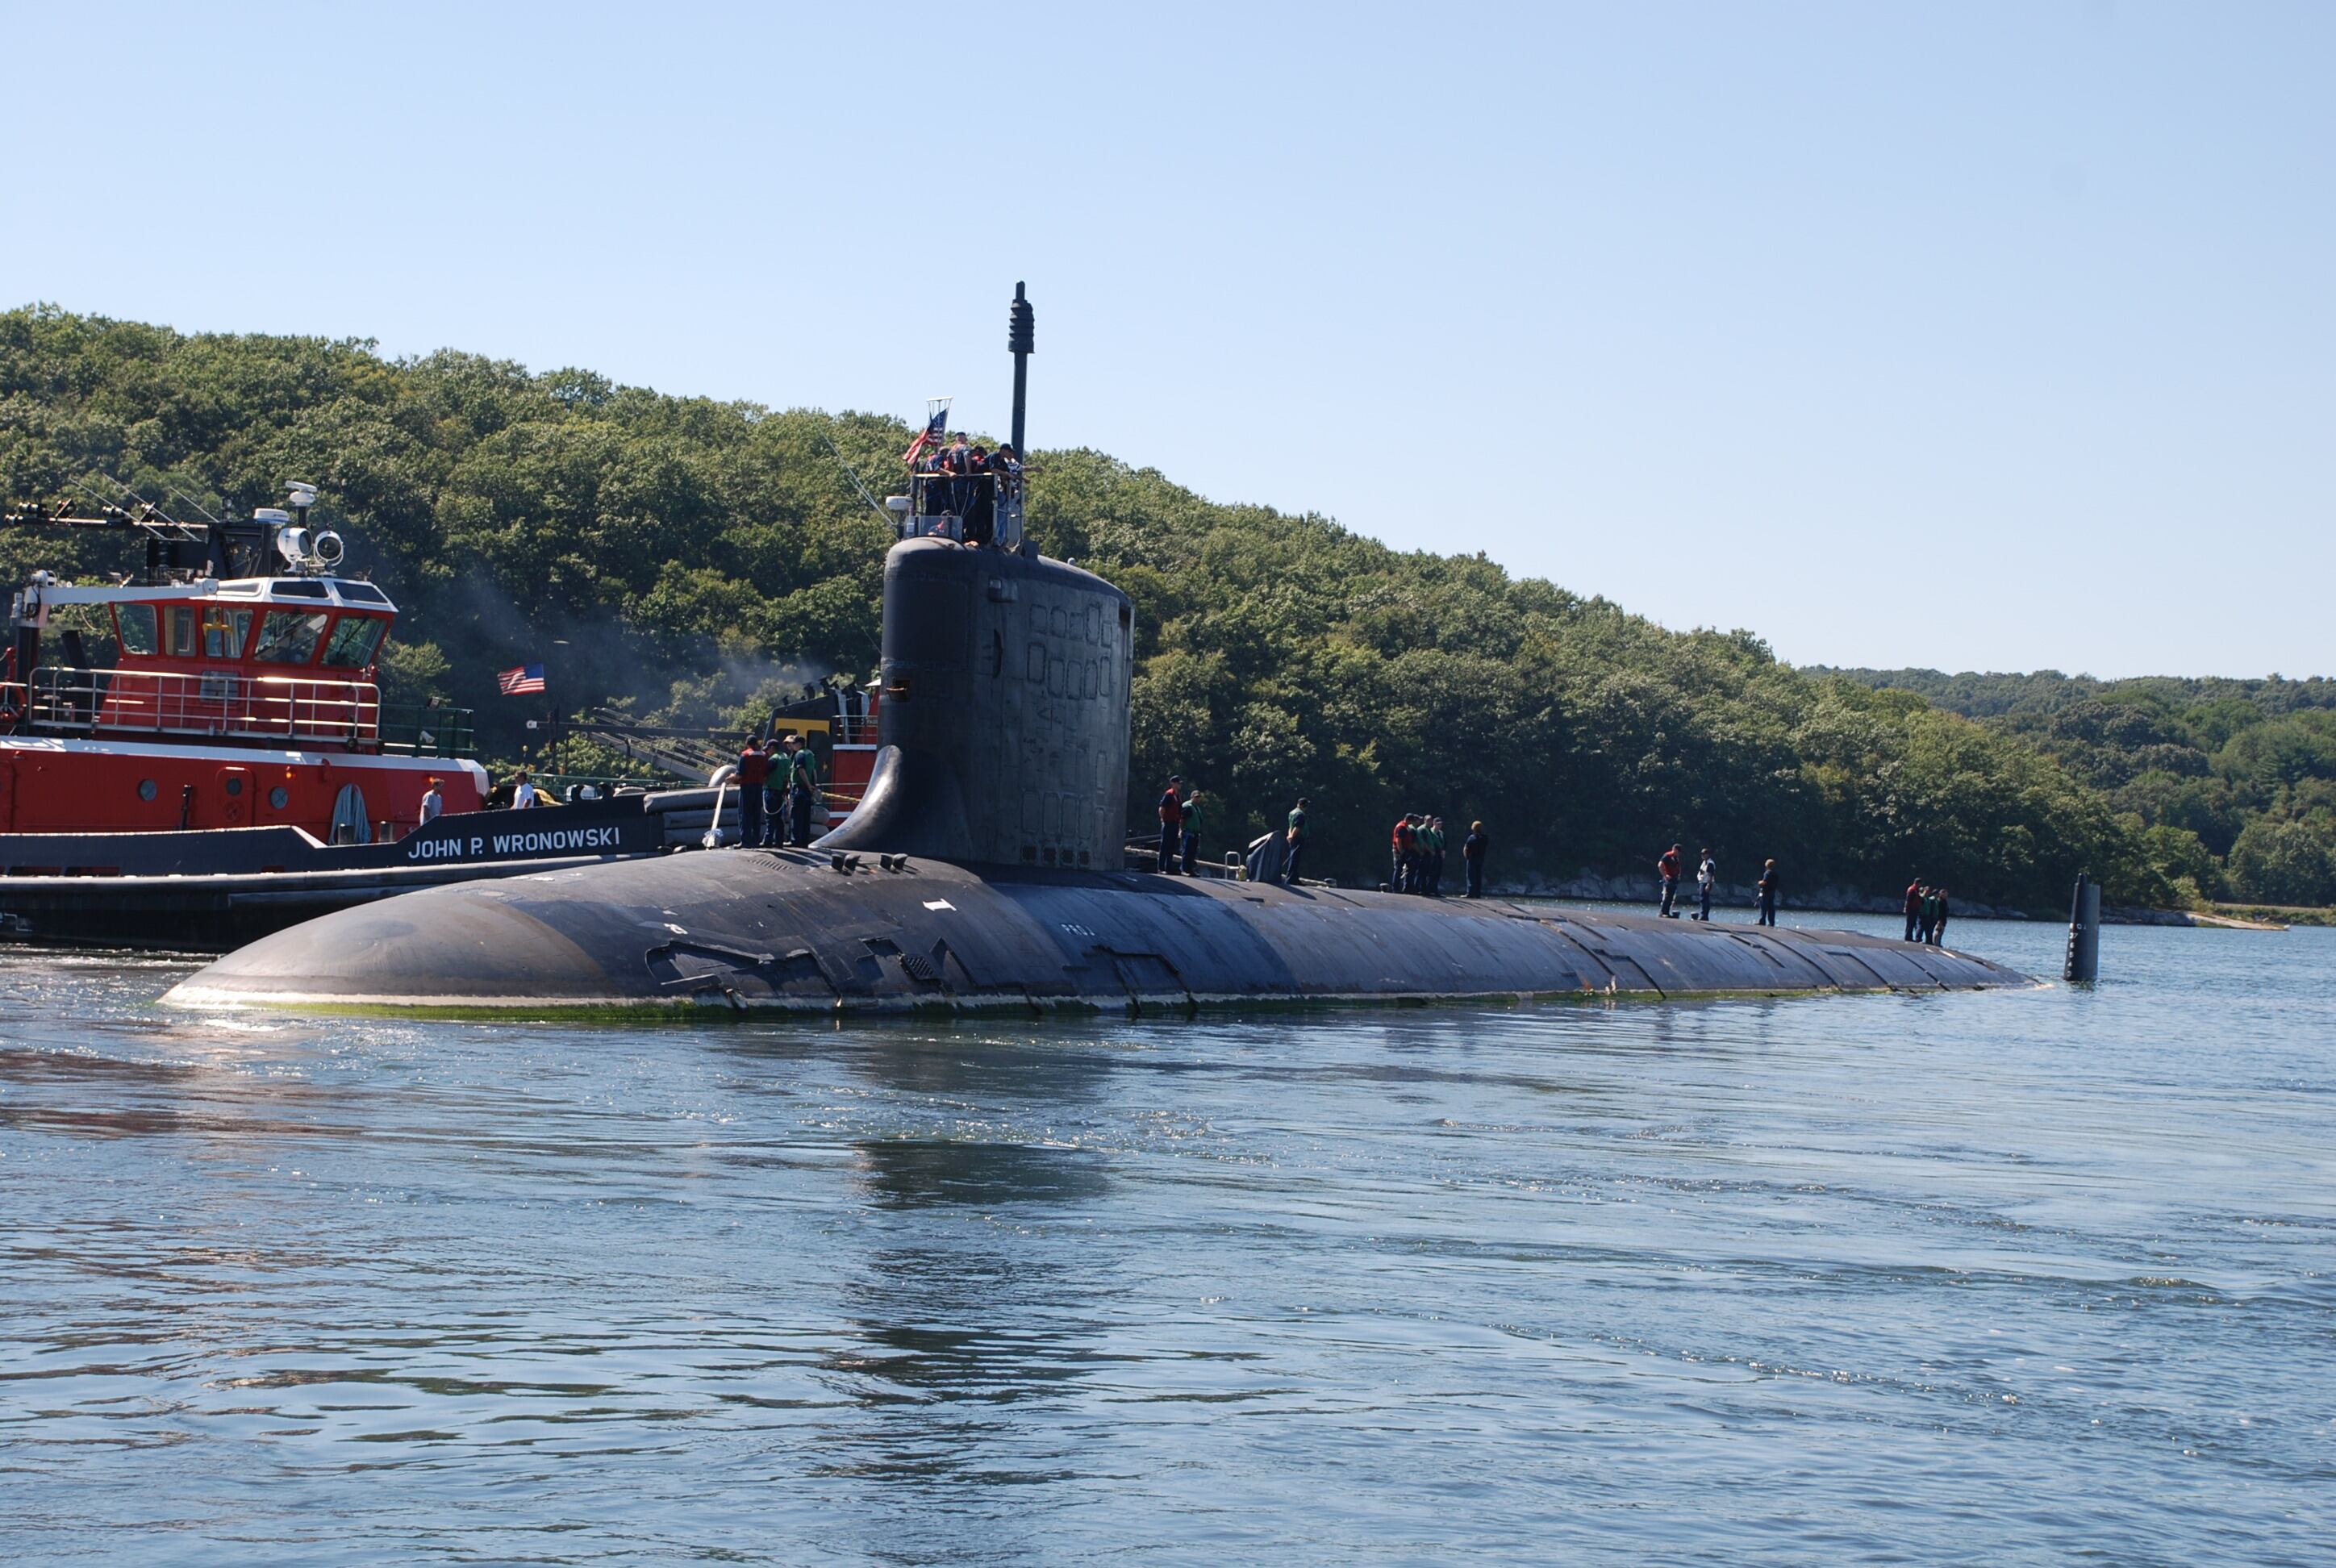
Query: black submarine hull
[778, 930]
[1002, 777]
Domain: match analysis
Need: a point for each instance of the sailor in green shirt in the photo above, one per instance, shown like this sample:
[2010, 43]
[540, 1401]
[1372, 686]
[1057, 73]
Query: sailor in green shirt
[803, 785]
[1294, 843]
[1192, 845]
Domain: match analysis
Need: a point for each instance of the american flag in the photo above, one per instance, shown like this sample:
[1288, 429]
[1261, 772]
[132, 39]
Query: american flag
[521, 680]
[935, 428]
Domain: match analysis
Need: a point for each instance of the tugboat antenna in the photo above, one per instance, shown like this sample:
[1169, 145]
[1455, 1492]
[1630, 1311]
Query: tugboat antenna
[852, 474]
[149, 518]
[147, 510]
[198, 506]
[1018, 343]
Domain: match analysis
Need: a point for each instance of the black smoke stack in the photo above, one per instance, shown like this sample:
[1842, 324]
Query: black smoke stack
[1019, 333]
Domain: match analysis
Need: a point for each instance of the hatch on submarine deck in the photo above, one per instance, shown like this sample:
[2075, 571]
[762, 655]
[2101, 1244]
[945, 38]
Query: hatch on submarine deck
[999, 795]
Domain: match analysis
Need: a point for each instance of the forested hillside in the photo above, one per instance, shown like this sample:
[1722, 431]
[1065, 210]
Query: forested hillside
[2235, 779]
[702, 559]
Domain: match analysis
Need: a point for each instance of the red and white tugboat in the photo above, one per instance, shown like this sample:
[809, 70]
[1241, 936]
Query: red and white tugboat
[220, 763]
[242, 693]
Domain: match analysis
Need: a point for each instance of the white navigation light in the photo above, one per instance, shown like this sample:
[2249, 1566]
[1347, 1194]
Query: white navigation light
[327, 548]
[291, 543]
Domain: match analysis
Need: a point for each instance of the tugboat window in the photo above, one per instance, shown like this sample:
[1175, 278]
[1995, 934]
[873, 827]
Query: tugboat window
[146, 790]
[290, 637]
[234, 785]
[180, 620]
[280, 797]
[224, 631]
[135, 622]
[353, 640]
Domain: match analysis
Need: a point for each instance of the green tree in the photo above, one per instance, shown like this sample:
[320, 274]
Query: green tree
[2285, 862]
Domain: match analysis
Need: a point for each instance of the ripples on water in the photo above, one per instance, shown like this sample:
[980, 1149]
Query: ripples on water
[2005, 1276]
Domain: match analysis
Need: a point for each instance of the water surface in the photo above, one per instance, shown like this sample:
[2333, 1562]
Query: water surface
[2004, 1277]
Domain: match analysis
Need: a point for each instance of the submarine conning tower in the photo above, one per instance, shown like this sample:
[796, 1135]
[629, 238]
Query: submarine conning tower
[1002, 736]
[1003, 733]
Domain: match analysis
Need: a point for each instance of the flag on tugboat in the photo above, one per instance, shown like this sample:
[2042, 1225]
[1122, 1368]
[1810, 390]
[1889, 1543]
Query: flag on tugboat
[525, 680]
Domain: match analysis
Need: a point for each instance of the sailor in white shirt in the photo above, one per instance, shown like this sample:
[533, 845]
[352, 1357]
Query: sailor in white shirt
[524, 793]
[433, 802]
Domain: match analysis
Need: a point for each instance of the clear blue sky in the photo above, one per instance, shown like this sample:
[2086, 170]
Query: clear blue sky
[1978, 336]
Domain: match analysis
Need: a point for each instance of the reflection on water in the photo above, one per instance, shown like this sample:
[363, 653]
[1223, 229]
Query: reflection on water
[960, 1326]
[2001, 1277]
[910, 1173]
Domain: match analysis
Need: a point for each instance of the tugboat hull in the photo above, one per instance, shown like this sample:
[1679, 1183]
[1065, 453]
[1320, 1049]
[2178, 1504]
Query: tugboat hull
[211, 888]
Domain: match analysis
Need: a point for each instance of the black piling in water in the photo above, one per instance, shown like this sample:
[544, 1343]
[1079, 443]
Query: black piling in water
[2084, 961]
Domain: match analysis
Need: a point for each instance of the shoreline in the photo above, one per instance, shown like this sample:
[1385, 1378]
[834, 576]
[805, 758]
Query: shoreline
[1831, 898]
[1588, 887]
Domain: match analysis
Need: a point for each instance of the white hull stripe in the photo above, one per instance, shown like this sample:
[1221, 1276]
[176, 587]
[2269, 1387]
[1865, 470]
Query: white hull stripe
[59, 745]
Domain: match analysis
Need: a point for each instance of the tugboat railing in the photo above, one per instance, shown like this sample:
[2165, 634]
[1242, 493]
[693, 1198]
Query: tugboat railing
[425, 729]
[213, 704]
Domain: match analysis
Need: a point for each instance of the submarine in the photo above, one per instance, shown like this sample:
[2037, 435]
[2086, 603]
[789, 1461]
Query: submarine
[985, 867]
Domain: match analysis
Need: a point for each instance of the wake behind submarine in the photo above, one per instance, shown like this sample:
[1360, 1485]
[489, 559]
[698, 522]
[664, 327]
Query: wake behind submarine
[984, 867]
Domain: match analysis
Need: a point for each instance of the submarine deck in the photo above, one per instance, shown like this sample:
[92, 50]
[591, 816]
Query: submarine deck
[781, 930]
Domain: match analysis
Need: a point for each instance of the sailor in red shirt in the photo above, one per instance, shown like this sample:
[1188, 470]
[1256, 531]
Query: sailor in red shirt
[1405, 851]
[1171, 822]
[753, 768]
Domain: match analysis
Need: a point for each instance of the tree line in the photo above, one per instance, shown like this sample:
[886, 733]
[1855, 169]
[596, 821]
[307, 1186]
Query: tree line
[2232, 782]
[697, 560]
